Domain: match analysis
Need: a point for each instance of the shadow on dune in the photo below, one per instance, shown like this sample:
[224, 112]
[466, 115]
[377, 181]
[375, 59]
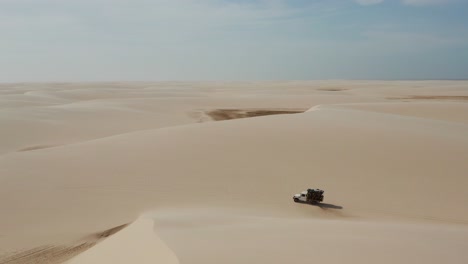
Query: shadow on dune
[227, 114]
[323, 205]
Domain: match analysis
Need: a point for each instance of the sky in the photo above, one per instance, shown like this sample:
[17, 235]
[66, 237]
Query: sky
[159, 40]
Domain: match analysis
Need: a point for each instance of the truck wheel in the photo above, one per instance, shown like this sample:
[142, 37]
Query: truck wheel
[296, 200]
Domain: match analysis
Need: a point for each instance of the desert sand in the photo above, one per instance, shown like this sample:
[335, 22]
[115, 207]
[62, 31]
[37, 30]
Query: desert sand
[204, 172]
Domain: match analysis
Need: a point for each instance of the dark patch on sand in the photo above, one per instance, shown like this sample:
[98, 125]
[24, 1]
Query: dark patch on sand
[46, 254]
[227, 114]
[52, 254]
[332, 89]
[110, 232]
[36, 147]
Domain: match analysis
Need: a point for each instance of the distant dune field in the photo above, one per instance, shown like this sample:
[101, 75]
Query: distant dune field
[142, 173]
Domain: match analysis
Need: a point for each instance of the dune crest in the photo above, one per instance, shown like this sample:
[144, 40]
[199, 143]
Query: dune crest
[139, 238]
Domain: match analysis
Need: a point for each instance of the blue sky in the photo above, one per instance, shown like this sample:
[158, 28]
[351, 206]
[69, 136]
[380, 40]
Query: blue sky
[145, 40]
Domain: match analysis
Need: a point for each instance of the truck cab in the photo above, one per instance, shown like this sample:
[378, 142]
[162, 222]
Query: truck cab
[309, 196]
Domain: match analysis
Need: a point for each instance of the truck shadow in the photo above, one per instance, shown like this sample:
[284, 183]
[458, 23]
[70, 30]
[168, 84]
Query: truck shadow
[323, 205]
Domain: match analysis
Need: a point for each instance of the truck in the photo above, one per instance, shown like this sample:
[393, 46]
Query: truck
[309, 196]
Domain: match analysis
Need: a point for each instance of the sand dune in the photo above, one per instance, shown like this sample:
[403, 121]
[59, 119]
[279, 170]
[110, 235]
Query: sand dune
[138, 238]
[92, 157]
[436, 97]
[453, 112]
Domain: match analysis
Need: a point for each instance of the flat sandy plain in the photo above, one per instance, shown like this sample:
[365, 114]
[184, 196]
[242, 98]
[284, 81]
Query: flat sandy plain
[176, 172]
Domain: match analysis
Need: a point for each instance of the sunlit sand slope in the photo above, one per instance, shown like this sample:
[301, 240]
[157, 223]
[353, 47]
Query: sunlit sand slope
[394, 175]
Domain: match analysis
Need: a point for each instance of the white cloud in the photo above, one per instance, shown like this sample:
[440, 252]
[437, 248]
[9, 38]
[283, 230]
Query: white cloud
[426, 2]
[369, 2]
